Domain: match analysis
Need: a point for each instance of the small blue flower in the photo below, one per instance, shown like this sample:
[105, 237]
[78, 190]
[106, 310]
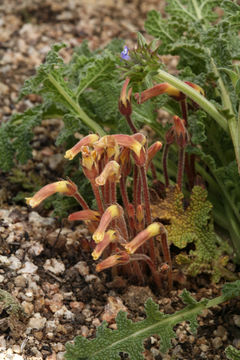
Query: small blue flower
[124, 53]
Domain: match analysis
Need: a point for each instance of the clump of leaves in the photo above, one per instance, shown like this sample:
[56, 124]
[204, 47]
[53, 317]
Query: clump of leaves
[129, 336]
[193, 224]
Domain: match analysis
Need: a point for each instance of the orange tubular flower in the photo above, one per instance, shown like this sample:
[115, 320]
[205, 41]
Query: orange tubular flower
[159, 89]
[120, 258]
[124, 103]
[65, 187]
[110, 172]
[165, 88]
[86, 141]
[84, 215]
[110, 236]
[129, 142]
[151, 231]
[112, 212]
[196, 87]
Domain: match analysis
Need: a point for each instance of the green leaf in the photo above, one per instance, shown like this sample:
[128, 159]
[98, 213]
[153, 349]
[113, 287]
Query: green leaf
[6, 148]
[129, 336]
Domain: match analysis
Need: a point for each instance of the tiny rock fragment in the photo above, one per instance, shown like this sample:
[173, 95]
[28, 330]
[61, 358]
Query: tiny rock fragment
[29, 268]
[37, 322]
[112, 308]
[55, 266]
[82, 268]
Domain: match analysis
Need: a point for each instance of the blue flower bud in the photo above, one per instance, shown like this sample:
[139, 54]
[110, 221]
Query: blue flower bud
[124, 53]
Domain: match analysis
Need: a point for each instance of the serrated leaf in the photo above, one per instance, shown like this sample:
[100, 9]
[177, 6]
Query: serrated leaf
[129, 336]
[98, 70]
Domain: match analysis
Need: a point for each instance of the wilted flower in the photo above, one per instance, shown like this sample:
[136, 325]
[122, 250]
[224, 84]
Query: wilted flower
[85, 215]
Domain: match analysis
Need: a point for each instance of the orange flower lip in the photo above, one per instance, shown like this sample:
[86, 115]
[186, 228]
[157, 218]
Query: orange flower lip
[84, 215]
[120, 258]
[64, 186]
[86, 141]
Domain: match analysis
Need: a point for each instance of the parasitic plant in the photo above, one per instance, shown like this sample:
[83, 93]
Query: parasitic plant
[123, 230]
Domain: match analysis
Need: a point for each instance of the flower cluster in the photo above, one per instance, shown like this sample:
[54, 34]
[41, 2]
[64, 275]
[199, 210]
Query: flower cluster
[122, 233]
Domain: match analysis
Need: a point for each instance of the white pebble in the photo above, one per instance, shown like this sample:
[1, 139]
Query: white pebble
[55, 266]
[29, 268]
[15, 263]
[37, 322]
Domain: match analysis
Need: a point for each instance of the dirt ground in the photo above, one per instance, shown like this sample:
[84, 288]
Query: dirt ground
[42, 261]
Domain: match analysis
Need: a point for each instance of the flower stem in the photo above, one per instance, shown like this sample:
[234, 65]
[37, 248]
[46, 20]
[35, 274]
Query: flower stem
[164, 164]
[81, 201]
[181, 155]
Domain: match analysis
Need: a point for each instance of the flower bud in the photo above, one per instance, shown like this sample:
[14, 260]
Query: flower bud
[152, 150]
[66, 187]
[124, 103]
[181, 133]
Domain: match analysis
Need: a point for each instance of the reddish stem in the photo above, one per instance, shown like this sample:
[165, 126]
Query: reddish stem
[131, 124]
[97, 196]
[181, 155]
[164, 160]
[148, 210]
[167, 255]
[81, 201]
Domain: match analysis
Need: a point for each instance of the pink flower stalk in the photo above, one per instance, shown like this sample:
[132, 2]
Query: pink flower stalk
[124, 103]
[86, 141]
[110, 172]
[111, 213]
[65, 187]
[151, 231]
[110, 236]
[84, 215]
[121, 258]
